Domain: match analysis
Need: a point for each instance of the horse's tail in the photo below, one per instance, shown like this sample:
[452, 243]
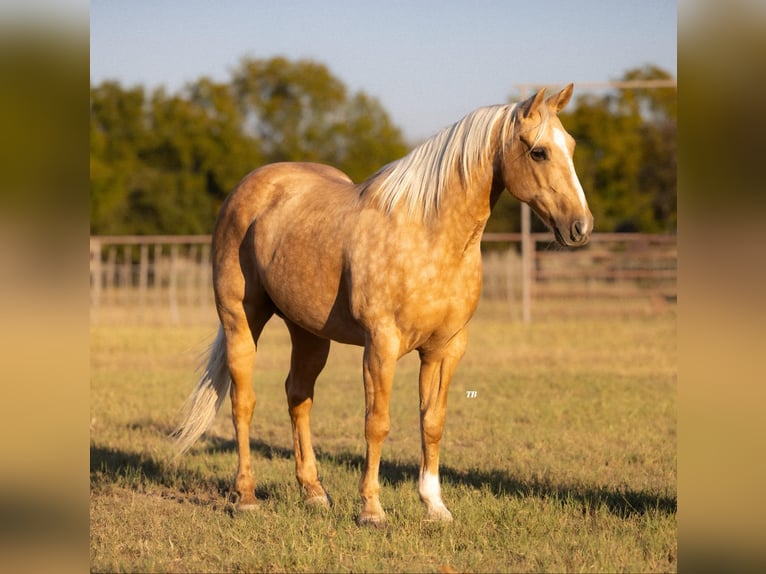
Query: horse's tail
[207, 398]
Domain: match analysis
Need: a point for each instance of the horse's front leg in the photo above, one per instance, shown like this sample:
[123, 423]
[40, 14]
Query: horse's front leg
[380, 355]
[436, 369]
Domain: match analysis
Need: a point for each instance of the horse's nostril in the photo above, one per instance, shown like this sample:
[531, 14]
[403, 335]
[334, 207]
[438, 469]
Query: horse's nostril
[578, 228]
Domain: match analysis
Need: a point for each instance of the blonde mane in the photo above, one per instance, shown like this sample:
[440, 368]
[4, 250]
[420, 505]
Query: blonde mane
[418, 180]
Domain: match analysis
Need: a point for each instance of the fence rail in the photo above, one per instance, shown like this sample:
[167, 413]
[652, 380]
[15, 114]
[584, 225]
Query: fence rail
[169, 278]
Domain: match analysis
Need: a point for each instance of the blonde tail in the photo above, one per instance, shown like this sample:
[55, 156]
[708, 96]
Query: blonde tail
[207, 398]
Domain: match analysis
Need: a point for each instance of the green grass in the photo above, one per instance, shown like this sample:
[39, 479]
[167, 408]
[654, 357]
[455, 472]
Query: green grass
[564, 461]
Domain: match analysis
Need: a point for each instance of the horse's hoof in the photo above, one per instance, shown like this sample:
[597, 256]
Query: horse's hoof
[246, 506]
[438, 514]
[439, 517]
[319, 501]
[374, 520]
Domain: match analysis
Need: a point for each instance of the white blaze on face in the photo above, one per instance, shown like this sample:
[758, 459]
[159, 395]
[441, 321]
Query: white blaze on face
[560, 139]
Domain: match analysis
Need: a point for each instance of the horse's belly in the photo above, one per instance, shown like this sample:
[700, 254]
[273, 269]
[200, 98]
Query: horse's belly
[328, 323]
[310, 292]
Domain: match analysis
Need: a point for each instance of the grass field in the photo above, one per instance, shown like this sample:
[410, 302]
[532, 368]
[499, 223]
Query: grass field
[565, 460]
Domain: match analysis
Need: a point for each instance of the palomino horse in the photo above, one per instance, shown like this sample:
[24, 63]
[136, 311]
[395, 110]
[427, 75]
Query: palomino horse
[392, 264]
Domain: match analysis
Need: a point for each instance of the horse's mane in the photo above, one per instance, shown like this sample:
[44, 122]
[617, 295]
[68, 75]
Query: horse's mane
[418, 180]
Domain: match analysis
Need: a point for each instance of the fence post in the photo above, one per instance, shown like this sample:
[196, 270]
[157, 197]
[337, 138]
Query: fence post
[205, 285]
[111, 271]
[96, 276]
[174, 317]
[143, 277]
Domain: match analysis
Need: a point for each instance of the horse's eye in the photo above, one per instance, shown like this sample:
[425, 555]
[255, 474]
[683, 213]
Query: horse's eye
[539, 154]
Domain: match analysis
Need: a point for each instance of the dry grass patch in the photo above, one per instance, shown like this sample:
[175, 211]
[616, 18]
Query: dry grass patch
[564, 460]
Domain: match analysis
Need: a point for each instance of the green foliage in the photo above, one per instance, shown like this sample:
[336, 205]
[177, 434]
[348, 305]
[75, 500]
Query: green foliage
[626, 154]
[298, 111]
[163, 163]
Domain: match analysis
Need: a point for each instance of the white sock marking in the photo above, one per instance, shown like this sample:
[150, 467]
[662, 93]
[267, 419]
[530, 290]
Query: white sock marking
[429, 488]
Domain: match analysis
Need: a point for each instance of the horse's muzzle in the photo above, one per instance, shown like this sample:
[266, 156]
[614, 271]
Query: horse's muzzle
[577, 234]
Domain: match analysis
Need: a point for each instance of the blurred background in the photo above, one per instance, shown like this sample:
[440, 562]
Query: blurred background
[185, 100]
[48, 113]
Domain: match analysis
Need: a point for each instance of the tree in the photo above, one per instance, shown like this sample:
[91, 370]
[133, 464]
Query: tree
[298, 111]
[163, 163]
[229, 153]
[367, 139]
[626, 154]
[290, 107]
[116, 135]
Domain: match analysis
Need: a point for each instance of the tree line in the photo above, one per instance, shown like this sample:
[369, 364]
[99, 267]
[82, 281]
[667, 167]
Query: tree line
[162, 163]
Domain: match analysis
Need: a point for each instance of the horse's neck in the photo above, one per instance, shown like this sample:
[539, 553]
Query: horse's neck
[466, 208]
[498, 185]
[474, 200]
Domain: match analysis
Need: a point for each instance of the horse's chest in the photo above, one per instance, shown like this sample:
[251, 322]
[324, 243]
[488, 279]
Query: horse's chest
[421, 293]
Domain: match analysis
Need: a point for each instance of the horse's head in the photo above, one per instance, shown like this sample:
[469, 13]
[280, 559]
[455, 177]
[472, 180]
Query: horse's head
[537, 168]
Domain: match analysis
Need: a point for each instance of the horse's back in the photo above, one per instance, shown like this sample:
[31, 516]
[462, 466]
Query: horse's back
[277, 193]
[298, 170]
[268, 186]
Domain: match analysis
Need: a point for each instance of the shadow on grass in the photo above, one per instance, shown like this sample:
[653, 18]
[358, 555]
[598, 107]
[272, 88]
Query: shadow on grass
[139, 470]
[621, 502]
[136, 470]
[110, 466]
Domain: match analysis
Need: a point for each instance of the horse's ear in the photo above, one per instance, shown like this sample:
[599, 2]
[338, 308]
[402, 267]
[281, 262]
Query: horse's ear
[557, 102]
[532, 104]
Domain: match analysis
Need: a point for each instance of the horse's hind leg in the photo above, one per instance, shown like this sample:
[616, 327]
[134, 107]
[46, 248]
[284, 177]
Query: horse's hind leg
[309, 355]
[242, 325]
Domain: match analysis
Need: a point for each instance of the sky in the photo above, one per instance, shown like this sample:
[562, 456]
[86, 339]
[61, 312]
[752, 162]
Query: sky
[429, 62]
